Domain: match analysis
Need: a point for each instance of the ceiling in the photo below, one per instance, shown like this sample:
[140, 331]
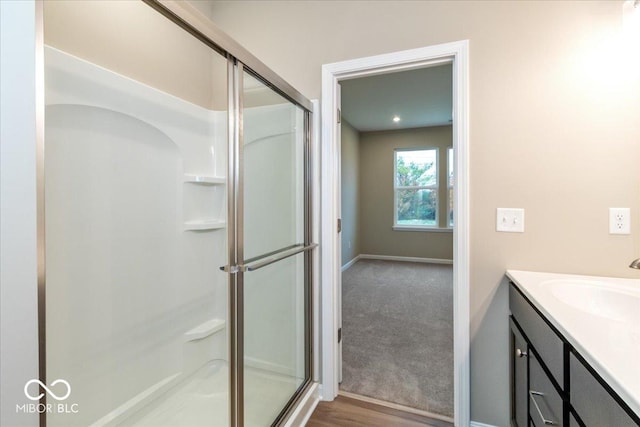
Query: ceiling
[421, 98]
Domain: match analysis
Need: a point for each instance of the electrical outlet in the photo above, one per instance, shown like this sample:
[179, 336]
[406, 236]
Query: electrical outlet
[510, 220]
[619, 221]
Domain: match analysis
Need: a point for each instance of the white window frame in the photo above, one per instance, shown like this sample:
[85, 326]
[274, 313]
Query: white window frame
[435, 188]
[450, 184]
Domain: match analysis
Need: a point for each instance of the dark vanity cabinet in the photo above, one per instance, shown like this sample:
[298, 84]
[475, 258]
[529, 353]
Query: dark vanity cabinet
[538, 375]
[551, 384]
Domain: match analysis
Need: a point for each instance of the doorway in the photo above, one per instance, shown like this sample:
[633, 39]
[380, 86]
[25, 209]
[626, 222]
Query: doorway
[397, 239]
[455, 54]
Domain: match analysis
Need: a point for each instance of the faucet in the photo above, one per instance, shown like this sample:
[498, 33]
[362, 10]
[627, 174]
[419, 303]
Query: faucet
[635, 264]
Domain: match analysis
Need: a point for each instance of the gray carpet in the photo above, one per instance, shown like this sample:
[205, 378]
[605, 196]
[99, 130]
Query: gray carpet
[397, 323]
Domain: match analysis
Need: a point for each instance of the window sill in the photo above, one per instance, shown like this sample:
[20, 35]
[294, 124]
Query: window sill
[427, 229]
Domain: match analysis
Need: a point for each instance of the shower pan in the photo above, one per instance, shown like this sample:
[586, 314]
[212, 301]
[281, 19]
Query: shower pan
[177, 231]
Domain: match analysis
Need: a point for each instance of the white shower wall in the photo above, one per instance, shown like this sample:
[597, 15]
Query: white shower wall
[125, 282]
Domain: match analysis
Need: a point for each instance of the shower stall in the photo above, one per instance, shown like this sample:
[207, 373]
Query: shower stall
[177, 222]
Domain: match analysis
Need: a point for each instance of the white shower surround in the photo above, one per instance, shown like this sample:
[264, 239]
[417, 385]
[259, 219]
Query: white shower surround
[145, 338]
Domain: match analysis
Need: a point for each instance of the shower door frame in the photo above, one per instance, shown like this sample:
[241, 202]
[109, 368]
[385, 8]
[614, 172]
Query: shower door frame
[236, 267]
[238, 59]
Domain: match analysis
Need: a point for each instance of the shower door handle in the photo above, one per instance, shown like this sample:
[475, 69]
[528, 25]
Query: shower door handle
[264, 261]
[252, 266]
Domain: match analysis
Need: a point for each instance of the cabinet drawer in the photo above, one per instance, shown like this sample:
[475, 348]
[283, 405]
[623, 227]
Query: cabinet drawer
[593, 403]
[545, 404]
[545, 341]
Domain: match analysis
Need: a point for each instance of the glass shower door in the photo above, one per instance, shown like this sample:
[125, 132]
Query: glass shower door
[273, 249]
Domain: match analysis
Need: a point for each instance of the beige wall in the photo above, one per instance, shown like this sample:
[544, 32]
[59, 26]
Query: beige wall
[376, 194]
[132, 39]
[554, 130]
[350, 169]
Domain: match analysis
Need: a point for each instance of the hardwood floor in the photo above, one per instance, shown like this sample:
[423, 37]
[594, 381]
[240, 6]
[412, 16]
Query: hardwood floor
[348, 412]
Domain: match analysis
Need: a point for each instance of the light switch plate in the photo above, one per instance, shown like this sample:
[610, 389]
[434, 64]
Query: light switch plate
[510, 220]
[619, 221]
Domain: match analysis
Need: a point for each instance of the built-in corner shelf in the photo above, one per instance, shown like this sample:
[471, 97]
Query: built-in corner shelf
[204, 179]
[204, 225]
[204, 330]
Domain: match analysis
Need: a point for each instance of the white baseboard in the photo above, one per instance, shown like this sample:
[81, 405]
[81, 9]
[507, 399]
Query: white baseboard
[305, 408]
[477, 424]
[405, 259]
[350, 263]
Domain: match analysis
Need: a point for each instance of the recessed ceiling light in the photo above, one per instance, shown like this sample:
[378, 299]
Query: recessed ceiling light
[396, 119]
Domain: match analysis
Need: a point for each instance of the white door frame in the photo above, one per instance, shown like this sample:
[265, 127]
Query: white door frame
[458, 54]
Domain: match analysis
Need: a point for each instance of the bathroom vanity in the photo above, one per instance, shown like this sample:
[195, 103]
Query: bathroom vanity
[575, 350]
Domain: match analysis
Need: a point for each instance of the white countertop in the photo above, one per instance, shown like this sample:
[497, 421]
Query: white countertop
[607, 338]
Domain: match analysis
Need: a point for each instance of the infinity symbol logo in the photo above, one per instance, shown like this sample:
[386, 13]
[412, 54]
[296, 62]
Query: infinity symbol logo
[49, 392]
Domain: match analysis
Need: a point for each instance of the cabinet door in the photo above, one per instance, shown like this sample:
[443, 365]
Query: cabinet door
[592, 401]
[519, 386]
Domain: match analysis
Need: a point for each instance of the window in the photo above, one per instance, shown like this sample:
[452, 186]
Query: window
[416, 188]
[450, 186]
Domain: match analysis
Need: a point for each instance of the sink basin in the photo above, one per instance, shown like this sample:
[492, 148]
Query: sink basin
[613, 302]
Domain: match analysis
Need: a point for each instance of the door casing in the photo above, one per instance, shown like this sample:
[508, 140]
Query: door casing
[456, 53]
